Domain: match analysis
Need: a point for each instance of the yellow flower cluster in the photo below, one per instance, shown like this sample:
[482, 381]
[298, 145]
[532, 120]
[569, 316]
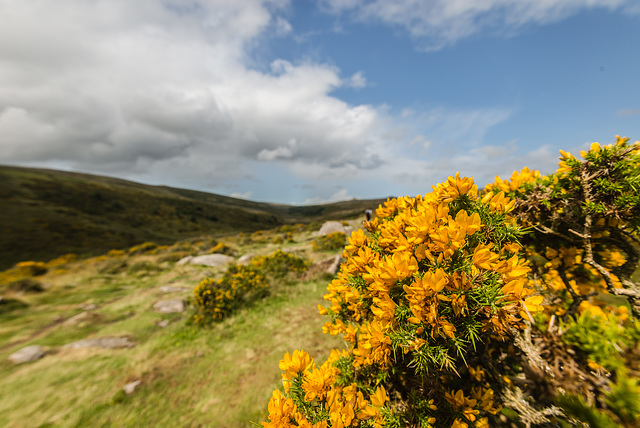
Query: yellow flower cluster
[323, 402]
[435, 281]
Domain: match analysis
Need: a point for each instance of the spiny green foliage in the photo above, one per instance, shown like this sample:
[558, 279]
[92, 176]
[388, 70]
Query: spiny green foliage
[428, 303]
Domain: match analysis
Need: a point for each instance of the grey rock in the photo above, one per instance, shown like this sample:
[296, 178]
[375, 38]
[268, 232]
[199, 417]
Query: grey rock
[211, 260]
[102, 342]
[171, 289]
[245, 259]
[184, 260]
[88, 306]
[163, 323]
[27, 354]
[169, 306]
[334, 267]
[82, 319]
[131, 386]
[334, 226]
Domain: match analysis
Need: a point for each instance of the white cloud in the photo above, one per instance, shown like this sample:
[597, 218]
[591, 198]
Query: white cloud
[439, 23]
[244, 195]
[340, 195]
[147, 86]
[357, 80]
[168, 93]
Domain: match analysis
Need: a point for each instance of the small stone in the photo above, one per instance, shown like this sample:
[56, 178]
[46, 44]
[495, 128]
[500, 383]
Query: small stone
[163, 323]
[27, 354]
[88, 306]
[245, 259]
[171, 289]
[102, 342]
[184, 260]
[169, 306]
[211, 260]
[82, 319]
[334, 226]
[131, 386]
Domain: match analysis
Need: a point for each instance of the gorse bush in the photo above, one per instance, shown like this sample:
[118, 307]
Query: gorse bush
[584, 222]
[279, 264]
[450, 307]
[330, 242]
[436, 288]
[215, 299]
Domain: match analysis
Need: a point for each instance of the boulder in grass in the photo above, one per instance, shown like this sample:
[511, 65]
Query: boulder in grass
[334, 226]
[329, 265]
[184, 260]
[102, 342]
[212, 260]
[245, 259]
[27, 354]
[131, 386]
[169, 306]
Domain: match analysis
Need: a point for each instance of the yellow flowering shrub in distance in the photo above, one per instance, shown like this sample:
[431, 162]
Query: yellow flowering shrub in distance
[330, 242]
[425, 301]
[214, 299]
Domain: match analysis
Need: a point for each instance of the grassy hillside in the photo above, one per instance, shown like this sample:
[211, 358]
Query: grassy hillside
[221, 376]
[48, 213]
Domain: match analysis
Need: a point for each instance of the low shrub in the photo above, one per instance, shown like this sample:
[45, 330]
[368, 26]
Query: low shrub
[143, 248]
[26, 285]
[331, 242]
[31, 268]
[280, 264]
[214, 299]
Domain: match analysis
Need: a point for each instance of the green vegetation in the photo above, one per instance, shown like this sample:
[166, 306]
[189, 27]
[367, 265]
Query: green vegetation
[518, 305]
[220, 375]
[331, 242]
[46, 214]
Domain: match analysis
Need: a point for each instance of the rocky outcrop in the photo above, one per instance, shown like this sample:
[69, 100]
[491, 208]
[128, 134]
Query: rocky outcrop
[102, 342]
[211, 260]
[334, 226]
[169, 306]
[27, 354]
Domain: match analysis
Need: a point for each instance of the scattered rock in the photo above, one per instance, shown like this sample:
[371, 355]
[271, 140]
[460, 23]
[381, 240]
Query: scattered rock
[163, 323]
[184, 260]
[102, 342]
[82, 319]
[169, 306]
[131, 386]
[334, 226]
[27, 354]
[330, 265]
[245, 259]
[211, 260]
[88, 306]
[335, 265]
[171, 289]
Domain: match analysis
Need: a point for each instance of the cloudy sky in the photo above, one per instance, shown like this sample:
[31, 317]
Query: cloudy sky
[301, 101]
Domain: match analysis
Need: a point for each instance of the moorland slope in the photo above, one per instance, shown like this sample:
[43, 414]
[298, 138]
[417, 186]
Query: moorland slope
[47, 213]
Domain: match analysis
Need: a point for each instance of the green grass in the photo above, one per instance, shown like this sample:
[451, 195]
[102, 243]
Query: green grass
[219, 376]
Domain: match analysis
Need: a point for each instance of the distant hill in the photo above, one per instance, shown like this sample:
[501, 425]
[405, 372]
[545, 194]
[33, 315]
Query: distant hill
[47, 213]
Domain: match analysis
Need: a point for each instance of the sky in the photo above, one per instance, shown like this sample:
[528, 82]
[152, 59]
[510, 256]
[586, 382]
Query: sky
[305, 102]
